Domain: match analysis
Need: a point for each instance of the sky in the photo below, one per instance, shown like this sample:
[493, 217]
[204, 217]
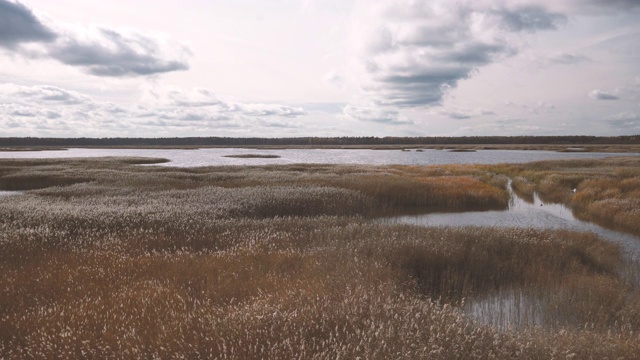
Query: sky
[287, 68]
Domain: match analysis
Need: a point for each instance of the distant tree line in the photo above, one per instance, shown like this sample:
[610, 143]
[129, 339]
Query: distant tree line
[336, 141]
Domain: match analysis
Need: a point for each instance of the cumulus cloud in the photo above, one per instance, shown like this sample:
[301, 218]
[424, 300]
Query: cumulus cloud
[415, 51]
[167, 97]
[106, 52]
[197, 97]
[48, 94]
[266, 110]
[97, 50]
[45, 107]
[18, 25]
[602, 95]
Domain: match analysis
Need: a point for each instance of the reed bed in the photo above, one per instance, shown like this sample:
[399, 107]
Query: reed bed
[283, 262]
[605, 191]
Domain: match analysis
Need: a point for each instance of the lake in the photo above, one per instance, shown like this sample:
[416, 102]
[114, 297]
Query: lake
[216, 156]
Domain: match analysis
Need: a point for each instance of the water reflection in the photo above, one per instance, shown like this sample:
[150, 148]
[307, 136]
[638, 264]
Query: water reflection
[517, 308]
[538, 215]
[218, 156]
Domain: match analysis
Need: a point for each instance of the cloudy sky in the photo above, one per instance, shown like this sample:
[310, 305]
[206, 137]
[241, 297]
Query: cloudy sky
[278, 68]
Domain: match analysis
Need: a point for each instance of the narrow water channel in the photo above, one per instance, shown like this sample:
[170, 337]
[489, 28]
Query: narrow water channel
[520, 308]
[538, 215]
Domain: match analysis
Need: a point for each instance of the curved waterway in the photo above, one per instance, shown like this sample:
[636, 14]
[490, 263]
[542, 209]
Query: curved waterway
[538, 215]
[515, 308]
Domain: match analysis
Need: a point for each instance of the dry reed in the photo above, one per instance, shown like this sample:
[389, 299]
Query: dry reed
[284, 262]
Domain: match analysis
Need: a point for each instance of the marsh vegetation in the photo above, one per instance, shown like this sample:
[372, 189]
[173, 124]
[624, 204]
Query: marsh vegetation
[107, 259]
[605, 191]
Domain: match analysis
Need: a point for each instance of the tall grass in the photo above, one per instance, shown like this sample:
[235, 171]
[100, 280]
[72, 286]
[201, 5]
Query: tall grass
[283, 262]
[606, 191]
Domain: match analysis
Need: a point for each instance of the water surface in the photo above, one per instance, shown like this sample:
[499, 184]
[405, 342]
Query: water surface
[538, 215]
[217, 156]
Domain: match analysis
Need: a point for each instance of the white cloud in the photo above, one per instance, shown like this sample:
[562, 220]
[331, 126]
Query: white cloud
[40, 94]
[413, 52]
[55, 110]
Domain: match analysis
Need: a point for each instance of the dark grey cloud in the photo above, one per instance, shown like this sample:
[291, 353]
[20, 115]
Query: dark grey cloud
[112, 53]
[98, 51]
[19, 25]
[602, 95]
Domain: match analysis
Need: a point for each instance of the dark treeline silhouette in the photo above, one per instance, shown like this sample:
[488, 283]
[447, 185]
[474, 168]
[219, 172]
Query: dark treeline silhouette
[319, 141]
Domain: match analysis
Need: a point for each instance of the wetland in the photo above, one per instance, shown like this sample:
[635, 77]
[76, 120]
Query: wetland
[108, 257]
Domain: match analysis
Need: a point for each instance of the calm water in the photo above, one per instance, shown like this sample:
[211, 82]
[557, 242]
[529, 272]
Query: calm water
[214, 157]
[513, 308]
[539, 215]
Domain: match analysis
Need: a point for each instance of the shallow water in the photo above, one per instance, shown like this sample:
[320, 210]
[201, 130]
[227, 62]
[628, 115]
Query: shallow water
[514, 308]
[539, 215]
[215, 157]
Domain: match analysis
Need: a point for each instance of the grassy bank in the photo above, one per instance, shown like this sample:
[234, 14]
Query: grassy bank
[283, 262]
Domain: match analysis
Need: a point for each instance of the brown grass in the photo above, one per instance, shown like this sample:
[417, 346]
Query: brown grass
[283, 262]
[605, 191]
